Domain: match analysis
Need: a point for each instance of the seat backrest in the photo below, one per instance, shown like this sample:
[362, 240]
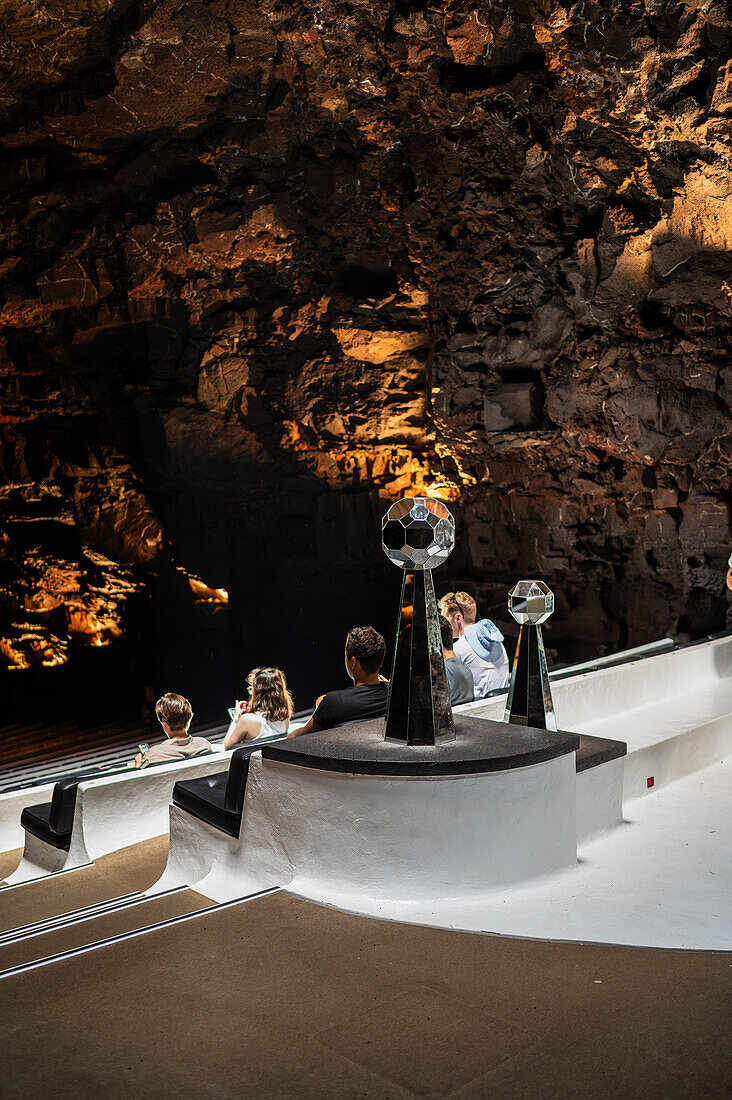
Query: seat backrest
[236, 784]
[63, 801]
[63, 804]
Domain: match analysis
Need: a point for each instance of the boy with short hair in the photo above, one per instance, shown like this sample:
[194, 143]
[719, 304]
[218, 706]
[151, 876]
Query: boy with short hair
[175, 714]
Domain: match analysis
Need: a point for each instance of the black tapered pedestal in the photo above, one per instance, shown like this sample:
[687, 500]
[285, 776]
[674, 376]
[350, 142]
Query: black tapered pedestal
[419, 711]
[529, 694]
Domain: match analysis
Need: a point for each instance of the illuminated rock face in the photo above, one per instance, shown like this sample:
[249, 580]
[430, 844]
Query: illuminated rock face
[258, 252]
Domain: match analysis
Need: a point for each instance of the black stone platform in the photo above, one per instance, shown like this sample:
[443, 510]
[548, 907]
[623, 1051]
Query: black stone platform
[480, 746]
[598, 750]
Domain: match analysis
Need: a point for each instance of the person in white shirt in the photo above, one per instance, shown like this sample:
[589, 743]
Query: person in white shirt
[267, 713]
[479, 644]
[729, 573]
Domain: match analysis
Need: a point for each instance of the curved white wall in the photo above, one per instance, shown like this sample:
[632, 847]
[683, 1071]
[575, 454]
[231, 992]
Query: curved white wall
[12, 804]
[340, 838]
[412, 839]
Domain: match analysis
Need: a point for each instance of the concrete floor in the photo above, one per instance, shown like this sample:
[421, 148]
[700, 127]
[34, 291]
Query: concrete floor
[280, 998]
[129, 869]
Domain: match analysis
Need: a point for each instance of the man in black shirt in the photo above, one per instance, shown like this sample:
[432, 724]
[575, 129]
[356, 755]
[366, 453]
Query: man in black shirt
[365, 649]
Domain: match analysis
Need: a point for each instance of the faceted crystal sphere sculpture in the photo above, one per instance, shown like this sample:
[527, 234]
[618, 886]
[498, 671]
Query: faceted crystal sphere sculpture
[418, 533]
[531, 602]
[529, 694]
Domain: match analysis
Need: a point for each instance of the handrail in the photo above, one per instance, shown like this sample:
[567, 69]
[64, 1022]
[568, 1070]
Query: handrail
[610, 660]
[627, 656]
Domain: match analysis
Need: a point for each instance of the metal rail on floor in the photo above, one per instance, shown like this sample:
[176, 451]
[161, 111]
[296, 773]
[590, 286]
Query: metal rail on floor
[74, 952]
[5, 887]
[68, 920]
[10, 933]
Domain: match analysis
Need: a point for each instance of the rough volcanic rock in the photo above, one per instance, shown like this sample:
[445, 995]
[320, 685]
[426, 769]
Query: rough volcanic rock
[264, 266]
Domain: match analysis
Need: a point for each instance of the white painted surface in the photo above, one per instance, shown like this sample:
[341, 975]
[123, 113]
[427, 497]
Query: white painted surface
[673, 739]
[661, 880]
[12, 804]
[599, 695]
[40, 859]
[118, 811]
[406, 838]
[355, 836]
[599, 799]
[113, 812]
[388, 853]
[673, 710]
[681, 674]
[222, 867]
[644, 703]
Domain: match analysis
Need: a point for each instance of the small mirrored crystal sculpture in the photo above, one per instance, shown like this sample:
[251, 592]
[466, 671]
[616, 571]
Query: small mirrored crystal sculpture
[529, 694]
[418, 533]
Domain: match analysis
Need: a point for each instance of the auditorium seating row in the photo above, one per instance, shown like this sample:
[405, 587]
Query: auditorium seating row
[217, 798]
[88, 815]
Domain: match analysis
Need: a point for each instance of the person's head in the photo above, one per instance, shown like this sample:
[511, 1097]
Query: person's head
[174, 713]
[460, 611]
[446, 632]
[365, 650]
[269, 695]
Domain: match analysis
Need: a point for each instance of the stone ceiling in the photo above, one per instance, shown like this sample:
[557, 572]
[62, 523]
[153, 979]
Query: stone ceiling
[265, 266]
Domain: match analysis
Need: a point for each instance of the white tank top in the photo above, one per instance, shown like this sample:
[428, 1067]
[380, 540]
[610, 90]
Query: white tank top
[269, 730]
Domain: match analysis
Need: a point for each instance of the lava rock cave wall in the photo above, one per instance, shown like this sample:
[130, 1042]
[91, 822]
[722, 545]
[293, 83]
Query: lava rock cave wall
[265, 266]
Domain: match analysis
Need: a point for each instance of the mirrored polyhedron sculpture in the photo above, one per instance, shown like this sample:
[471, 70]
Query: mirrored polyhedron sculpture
[418, 533]
[531, 602]
[529, 694]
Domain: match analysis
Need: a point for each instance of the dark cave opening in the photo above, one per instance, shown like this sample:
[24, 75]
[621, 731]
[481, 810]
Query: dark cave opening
[367, 282]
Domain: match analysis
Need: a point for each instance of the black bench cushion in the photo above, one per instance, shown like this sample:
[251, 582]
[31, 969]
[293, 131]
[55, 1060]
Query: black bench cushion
[205, 798]
[218, 799]
[36, 821]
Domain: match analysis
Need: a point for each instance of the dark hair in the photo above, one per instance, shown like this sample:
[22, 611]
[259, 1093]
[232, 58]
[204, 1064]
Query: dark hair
[446, 632]
[269, 694]
[175, 711]
[367, 646]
